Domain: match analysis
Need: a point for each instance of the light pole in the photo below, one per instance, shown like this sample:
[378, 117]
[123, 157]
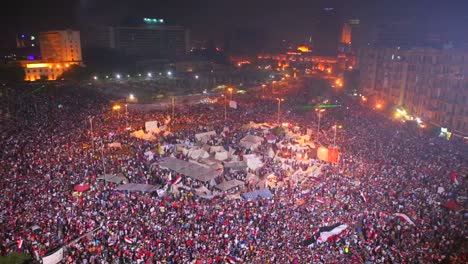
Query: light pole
[102, 156]
[335, 127]
[318, 126]
[263, 90]
[92, 134]
[279, 107]
[225, 107]
[230, 93]
[173, 107]
[126, 116]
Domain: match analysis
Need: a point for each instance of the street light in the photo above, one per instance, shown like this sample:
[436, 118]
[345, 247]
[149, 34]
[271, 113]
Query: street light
[230, 92]
[335, 127]
[225, 107]
[92, 133]
[196, 77]
[149, 74]
[169, 73]
[118, 76]
[95, 77]
[263, 89]
[318, 126]
[131, 97]
[279, 107]
[126, 116]
[116, 107]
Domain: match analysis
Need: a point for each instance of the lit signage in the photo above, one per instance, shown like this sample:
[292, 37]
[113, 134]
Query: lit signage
[153, 20]
[37, 65]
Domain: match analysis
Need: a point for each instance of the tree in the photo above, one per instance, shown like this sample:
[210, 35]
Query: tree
[15, 258]
[76, 73]
[11, 73]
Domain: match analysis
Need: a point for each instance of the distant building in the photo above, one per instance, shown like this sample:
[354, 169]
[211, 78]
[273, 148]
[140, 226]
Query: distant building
[326, 32]
[345, 40]
[346, 34]
[151, 40]
[59, 50]
[60, 46]
[428, 83]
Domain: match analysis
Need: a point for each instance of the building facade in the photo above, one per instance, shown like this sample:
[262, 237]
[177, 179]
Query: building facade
[430, 84]
[60, 49]
[60, 46]
[140, 42]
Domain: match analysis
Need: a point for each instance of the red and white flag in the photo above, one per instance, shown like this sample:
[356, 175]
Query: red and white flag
[177, 179]
[405, 218]
[128, 240]
[19, 243]
[363, 196]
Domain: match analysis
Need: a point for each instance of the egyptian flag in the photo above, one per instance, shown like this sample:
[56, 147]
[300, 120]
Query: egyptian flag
[404, 218]
[230, 260]
[325, 233]
[453, 177]
[128, 240]
[177, 179]
[363, 196]
[19, 243]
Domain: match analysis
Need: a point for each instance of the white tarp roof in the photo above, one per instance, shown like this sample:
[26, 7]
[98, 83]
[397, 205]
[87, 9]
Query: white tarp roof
[253, 161]
[221, 155]
[115, 178]
[135, 187]
[227, 185]
[236, 164]
[192, 170]
[203, 137]
[251, 141]
[151, 126]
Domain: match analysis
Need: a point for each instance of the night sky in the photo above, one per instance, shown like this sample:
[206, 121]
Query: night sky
[209, 19]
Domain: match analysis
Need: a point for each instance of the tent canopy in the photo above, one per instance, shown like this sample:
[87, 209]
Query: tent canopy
[135, 187]
[115, 178]
[190, 169]
[227, 185]
[264, 193]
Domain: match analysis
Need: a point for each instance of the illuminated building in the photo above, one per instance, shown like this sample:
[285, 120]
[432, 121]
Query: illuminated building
[60, 46]
[428, 83]
[59, 50]
[346, 34]
[44, 71]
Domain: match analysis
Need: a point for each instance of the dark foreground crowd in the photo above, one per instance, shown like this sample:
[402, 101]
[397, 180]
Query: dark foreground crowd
[46, 150]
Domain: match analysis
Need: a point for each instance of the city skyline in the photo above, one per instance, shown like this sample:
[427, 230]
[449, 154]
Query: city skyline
[210, 20]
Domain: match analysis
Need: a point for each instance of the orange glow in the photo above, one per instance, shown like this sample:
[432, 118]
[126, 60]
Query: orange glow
[364, 99]
[378, 106]
[58, 66]
[303, 49]
[116, 107]
[37, 65]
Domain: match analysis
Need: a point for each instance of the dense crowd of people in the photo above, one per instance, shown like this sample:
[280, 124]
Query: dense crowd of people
[48, 147]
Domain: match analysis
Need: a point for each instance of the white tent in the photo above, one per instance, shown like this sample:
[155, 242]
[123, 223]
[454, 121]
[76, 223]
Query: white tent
[115, 178]
[192, 170]
[253, 161]
[152, 126]
[221, 155]
[217, 149]
[227, 185]
[198, 154]
[251, 142]
[203, 137]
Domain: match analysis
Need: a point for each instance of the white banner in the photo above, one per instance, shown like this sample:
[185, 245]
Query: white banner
[233, 104]
[151, 126]
[54, 258]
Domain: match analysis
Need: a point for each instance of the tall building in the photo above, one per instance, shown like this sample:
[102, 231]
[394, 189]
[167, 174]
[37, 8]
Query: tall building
[428, 83]
[150, 40]
[346, 34]
[59, 50]
[60, 46]
[326, 32]
[345, 40]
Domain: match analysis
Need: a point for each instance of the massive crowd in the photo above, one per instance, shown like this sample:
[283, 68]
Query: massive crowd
[46, 149]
